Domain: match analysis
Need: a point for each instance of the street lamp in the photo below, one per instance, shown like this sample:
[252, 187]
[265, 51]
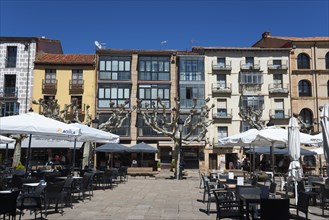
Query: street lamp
[94, 124]
[180, 128]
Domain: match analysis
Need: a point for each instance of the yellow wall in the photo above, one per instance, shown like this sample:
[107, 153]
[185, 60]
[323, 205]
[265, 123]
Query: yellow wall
[63, 76]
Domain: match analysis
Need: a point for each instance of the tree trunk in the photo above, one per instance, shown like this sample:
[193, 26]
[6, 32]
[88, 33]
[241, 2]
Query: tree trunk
[86, 154]
[17, 153]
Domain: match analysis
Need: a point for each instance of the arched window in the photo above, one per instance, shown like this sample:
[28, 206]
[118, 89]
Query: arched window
[307, 116]
[327, 60]
[303, 61]
[304, 88]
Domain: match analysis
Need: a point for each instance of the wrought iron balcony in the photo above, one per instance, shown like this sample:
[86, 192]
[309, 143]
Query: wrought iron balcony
[278, 88]
[280, 113]
[222, 114]
[221, 66]
[9, 93]
[250, 89]
[49, 86]
[76, 86]
[277, 64]
[221, 88]
[250, 66]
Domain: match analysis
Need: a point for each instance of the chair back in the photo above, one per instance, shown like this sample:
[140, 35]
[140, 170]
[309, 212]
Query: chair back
[55, 187]
[303, 202]
[264, 192]
[273, 209]
[8, 203]
[324, 192]
[247, 190]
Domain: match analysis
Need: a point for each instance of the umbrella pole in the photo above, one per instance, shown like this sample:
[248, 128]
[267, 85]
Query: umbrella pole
[142, 159]
[250, 158]
[28, 156]
[6, 155]
[253, 159]
[75, 146]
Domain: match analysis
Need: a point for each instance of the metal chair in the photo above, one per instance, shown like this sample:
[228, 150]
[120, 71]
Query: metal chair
[8, 204]
[302, 206]
[228, 208]
[324, 192]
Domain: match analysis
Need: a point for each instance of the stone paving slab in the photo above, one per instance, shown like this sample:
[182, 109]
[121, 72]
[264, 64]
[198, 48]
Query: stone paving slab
[151, 198]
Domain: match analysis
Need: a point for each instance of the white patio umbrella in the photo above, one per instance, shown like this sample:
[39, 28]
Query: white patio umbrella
[6, 140]
[325, 133]
[35, 124]
[295, 169]
[89, 134]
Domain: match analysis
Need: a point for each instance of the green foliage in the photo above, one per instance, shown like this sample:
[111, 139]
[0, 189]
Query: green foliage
[173, 164]
[20, 166]
[158, 164]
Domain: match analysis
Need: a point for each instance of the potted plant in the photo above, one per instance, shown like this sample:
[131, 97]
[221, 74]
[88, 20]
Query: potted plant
[159, 165]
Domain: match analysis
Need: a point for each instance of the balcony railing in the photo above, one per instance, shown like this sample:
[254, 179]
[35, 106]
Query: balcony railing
[250, 88]
[250, 66]
[278, 88]
[76, 86]
[280, 113]
[9, 93]
[221, 66]
[221, 88]
[49, 86]
[280, 66]
[222, 113]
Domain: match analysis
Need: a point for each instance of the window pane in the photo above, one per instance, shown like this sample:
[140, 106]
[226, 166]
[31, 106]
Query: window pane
[102, 65]
[120, 93]
[113, 93]
[108, 65]
[154, 93]
[101, 93]
[121, 65]
[107, 93]
[127, 65]
[115, 65]
[126, 93]
[141, 93]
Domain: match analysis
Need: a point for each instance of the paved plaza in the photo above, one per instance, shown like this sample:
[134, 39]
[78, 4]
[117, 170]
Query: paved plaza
[150, 198]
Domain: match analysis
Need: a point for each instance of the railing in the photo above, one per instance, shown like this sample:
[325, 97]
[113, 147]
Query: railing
[250, 66]
[223, 113]
[76, 86]
[221, 88]
[49, 86]
[278, 88]
[250, 88]
[222, 66]
[187, 103]
[9, 92]
[280, 113]
[272, 66]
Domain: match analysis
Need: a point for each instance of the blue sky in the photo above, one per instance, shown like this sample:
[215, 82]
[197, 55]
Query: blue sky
[128, 24]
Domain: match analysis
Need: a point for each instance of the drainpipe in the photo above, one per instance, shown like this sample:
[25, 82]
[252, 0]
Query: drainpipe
[27, 77]
[316, 89]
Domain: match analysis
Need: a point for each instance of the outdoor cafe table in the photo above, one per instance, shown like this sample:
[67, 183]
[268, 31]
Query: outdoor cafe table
[32, 185]
[247, 199]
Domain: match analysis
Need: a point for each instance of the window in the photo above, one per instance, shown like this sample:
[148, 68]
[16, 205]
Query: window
[303, 61]
[279, 109]
[9, 89]
[307, 116]
[221, 62]
[77, 100]
[154, 68]
[222, 132]
[221, 107]
[191, 68]
[249, 62]
[251, 78]
[188, 93]
[254, 102]
[277, 64]
[9, 108]
[146, 131]
[113, 93]
[221, 81]
[11, 57]
[77, 76]
[114, 68]
[50, 76]
[304, 88]
[150, 93]
[327, 60]
[123, 130]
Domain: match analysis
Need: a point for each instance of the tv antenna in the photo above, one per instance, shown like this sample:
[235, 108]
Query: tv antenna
[162, 43]
[99, 45]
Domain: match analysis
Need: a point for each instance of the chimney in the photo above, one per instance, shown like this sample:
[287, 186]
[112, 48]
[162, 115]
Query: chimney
[266, 34]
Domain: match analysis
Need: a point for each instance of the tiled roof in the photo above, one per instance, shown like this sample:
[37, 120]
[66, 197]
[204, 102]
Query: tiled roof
[301, 38]
[72, 59]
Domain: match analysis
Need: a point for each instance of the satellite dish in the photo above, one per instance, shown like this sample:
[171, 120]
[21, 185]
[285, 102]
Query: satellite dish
[98, 45]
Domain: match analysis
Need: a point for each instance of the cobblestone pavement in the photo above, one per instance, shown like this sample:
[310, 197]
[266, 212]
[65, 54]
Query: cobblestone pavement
[150, 198]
